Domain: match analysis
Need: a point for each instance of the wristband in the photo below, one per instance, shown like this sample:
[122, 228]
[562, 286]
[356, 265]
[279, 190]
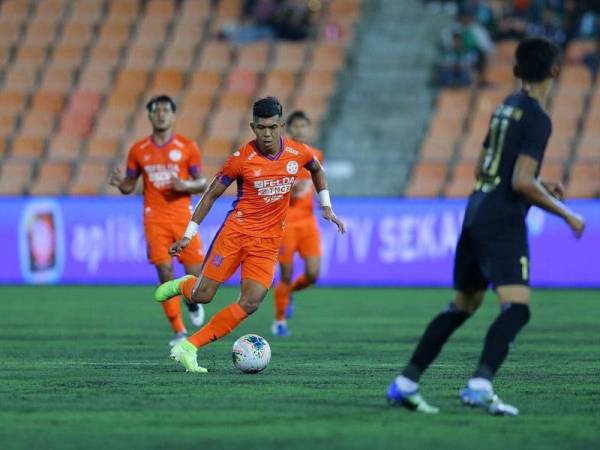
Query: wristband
[324, 199]
[191, 230]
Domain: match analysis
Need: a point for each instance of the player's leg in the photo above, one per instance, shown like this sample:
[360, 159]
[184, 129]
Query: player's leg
[470, 288]
[281, 296]
[196, 310]
[158, 238]
[507, 261]
[191, 258]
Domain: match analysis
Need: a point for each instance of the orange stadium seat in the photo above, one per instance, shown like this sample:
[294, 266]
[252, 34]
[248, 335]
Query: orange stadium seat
[114, 34]
[95, 77]
[235, 101]
[38, 123]
[31, 55]
[289, 56]
[64, 148]
[27, 148]
[86, 12]
[328, 57]
[505, 52]
[314, 105]
[150, 33]
[160, 8]
[75, 123]
[40, 32]
[131, 80]
[7, 123]
[226, 123]
[552, 171]
[230, 9]
[124, 8]
[427, 179]
[58, 79]
[90, 179]
[462, 180]
[243, 81]
[500, 75]
[589, 148]
[279, 83]
[196, 100]
[559, 149]
[195, 10]
[217, 149]
[578, 48]
[584, 180]
[14, 177]
[253, 56]
[47, 101]
[50, 7]
[14, 9]
[317, 82]
[167, 80]
[52, 178]
[178, 58]
[113, 121]
[140, 57]
[205, 81]
[67, 55]
[102, 148]
[215, 56]
[190, 124]
[12, 100]
[436, 149]
[76, 34]
[9, 32]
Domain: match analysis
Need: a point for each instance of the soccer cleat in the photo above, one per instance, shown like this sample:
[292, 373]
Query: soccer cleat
[280, 328]
[289, 311]
[197, 316]
[169, 289]
[487, 400]
[409, 400]
[185, 354]
[178, 338]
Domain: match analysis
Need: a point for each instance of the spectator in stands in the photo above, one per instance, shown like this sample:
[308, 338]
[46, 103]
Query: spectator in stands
[592, 59]
[257, 23]
[293, 20]
[549, 27]
[456, 64]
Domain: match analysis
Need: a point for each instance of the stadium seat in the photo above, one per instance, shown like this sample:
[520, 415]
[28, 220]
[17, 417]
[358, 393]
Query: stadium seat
[14, 177]
[217, 149]
[589, 148]
[462, 181]
[52, 179]
[95, 77]
[205, 81]
[279, 83]
[584, 180]
[102, 148]
[235, 101]
[12, 100]
[38, 123]
[559, 149]
[242, 81]
[226, 123]
[289, 56]
[64, 147]
[57, 79]
[427, 179]
[193, 101]
[552, 171]
[215, 57]
[577, 49]
[436, 149]
[27, 148]
[179, 58]
[91, 178]
[253, 56]
[140, 57]
[229, 9]
[328, 57]
[167, 81]
[31, 56]
[67, 55]
[190, 124]
[47, 101]
[160, 8]
[86, 12]
[317, 81]
[7, 122]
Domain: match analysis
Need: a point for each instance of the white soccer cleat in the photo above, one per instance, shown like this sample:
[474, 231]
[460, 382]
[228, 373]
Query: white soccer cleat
[178, 338]
[197, 317]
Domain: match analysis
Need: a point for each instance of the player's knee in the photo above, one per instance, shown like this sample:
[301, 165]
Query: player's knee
[312, 276]
[202, 294]
[249, 304]
[468, 302]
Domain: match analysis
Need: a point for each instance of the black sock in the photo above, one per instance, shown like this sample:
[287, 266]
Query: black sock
[436, 334]
[191, 306]
[500, 335]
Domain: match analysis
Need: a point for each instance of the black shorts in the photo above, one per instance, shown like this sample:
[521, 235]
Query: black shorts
[497, 257]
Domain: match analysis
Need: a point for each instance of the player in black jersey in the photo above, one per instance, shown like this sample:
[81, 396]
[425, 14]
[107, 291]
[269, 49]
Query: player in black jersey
[493, 247]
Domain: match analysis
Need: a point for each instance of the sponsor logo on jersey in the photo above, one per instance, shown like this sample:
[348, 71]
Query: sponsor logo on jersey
[292, 151]
[175, 155]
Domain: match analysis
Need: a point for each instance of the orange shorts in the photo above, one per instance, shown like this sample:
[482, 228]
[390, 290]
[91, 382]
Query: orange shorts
[230, 249]
[303, 238]
[160, 236]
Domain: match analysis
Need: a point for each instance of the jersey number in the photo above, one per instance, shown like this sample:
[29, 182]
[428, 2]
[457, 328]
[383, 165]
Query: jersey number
[489, 178]
[524, 268]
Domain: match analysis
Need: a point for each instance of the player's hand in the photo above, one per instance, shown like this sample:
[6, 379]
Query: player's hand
[178, 185]
[577, 224]
[556, 189]
[330, 216]
[116, 177]
[178, 246]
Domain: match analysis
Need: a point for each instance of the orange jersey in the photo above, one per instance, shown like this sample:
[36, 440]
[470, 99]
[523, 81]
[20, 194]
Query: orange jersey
[157, 164]
[302, 201]
[264, 184]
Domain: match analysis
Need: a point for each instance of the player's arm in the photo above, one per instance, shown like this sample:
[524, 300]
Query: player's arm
[214, 191]
[320, 181]
[196, 185]
[125, 184]
[526, 183]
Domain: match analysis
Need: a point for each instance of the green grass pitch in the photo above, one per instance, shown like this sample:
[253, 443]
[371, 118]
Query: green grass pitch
[88, 368]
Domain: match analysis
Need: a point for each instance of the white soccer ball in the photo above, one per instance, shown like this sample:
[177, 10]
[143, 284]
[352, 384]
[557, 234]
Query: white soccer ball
[251, 353]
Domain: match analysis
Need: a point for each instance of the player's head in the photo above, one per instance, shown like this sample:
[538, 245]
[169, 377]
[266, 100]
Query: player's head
[161, 111]
[266, 122]
[537, 60]
[298, 126]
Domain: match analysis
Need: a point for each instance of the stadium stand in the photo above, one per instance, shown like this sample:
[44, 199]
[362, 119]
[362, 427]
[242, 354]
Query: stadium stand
[75, 75]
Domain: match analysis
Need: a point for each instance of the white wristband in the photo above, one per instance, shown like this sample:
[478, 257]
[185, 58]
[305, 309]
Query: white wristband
[191, 230]
[324, 199]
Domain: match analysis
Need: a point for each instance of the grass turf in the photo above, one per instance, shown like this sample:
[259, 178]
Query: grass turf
[88, 367]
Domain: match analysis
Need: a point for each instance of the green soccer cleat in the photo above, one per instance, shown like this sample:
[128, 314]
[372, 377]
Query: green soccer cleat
[409, 400]
[169, 289]
[186, 354]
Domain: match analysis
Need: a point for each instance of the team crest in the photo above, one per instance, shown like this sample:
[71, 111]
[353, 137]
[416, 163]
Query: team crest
[292, 167]
[175, 155]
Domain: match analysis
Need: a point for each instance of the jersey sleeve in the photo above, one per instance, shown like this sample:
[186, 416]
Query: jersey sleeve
[309, 160]
[536, 135]
[195, 161]
[232, 169]
[133, 165]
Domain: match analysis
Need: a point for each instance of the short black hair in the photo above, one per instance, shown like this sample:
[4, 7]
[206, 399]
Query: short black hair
[297, 115]
[160, 99]
[267, 107]
[534, 59]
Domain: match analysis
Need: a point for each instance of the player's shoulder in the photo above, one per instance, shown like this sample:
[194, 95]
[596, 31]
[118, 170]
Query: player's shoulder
[296, 148]
[141, 144]
[182, 141]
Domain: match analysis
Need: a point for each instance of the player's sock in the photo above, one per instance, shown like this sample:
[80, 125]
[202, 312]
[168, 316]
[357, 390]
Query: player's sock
[300, 283]
[501, 333]
[282, 298]
[173, 313]
[220, 325]
[436, 334]
[187, 287]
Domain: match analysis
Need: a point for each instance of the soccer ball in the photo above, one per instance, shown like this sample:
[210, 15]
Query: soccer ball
[251, 353]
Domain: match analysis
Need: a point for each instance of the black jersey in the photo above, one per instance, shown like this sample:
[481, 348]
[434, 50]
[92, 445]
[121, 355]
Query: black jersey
[518, 126]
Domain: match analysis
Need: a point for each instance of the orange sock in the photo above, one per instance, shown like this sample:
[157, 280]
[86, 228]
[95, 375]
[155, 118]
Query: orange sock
[282, 298]
[300, 283]
[173, 313]
[220, 325]
[188, 286]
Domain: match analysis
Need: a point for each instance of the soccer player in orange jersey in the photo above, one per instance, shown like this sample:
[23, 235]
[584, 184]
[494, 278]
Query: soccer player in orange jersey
[170, 165]
[264, 171]
[301, 233]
